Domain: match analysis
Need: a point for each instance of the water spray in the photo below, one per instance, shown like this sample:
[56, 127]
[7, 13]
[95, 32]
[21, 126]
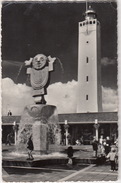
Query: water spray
[19, 71]
[61, 65]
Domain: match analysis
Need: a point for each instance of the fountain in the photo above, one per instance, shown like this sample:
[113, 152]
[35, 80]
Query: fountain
[39, 120]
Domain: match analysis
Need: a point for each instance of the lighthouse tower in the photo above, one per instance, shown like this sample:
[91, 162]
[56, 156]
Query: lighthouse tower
[89, 64]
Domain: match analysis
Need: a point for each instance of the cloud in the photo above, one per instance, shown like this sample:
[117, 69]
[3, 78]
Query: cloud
[109, 99]
[105, 61]
[63, 96]
[16, 96]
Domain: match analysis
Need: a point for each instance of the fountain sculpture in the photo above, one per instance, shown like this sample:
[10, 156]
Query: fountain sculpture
[39, 120]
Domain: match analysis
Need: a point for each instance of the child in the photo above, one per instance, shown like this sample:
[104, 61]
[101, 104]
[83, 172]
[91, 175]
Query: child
[112, 156]
[95, 147]
[9, 138]
[70, 155]
[30, 148]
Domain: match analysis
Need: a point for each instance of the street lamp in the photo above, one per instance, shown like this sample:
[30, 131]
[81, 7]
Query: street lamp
[96, 125]
[66, 126]
[15, 128]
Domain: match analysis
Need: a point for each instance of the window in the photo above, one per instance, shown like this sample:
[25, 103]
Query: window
[80, 24]
[84, 23]
[93, 22]
[86, 97]
[87, 42]
[90, 22]
[87, 78]
[87, 59]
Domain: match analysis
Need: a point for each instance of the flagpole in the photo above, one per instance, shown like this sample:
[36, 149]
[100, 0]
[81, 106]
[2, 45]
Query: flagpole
[86, 5]
[86, 11]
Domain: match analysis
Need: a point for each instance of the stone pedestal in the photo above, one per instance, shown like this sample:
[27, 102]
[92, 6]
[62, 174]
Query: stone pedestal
[40, 140]
[40, 121]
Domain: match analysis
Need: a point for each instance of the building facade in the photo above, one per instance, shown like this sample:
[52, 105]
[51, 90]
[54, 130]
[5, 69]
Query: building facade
[79, 125]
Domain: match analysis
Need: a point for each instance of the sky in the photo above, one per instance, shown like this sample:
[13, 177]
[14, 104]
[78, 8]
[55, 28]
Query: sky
[52, 29]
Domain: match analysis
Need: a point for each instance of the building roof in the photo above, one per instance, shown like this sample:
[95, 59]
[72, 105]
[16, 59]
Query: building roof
[10, 119]
[74, 118]
[89, 117]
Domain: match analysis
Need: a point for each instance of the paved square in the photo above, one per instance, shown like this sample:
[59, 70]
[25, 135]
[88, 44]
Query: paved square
[59, 173]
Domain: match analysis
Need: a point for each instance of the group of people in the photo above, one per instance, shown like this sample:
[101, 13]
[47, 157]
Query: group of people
[103, 147]
[9, 113]
[107, 149]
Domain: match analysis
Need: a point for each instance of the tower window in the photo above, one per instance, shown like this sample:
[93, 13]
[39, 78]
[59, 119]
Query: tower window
[87, 59]
[93, 22]
[84, 23]
[80, 24]
[87, 78]
[86, 97]
[90, 22]
[87, 42]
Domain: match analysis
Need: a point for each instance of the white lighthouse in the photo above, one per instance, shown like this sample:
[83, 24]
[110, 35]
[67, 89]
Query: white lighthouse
[89, 64]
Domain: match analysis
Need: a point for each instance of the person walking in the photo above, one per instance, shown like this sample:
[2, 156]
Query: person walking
[112, 157]
[30, 148]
